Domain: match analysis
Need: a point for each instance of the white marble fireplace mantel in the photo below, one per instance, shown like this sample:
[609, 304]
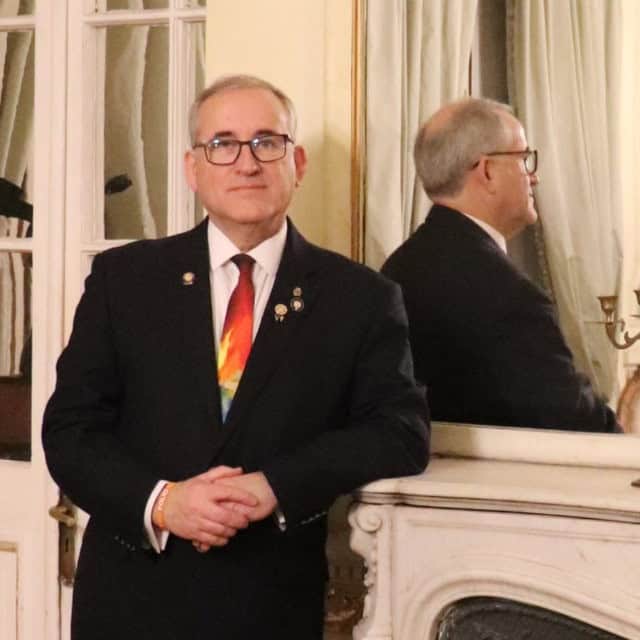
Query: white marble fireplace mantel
[562, 537]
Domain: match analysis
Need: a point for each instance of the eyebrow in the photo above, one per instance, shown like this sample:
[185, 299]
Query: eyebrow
[230, 134]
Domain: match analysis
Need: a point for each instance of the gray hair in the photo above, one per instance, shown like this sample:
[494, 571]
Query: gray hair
[238, 81]
[443, 153]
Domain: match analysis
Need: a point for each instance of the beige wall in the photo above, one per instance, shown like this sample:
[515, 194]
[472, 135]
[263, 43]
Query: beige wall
[308, 54]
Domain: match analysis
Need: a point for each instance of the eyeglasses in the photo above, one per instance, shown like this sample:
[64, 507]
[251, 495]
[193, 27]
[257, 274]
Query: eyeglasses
[529, 156]
[225, 151]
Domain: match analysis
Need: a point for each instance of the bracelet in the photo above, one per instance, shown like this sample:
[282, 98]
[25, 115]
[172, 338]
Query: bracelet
[158, 511]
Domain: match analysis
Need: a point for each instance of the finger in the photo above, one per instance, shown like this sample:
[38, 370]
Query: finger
[201, 547]
[208, 540]
[229, 493]
[219, 517]
[217, 529]
[221, 471]
[237, 507]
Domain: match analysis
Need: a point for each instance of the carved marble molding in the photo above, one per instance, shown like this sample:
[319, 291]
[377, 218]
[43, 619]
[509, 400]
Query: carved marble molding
[423, 557]
[371, 538]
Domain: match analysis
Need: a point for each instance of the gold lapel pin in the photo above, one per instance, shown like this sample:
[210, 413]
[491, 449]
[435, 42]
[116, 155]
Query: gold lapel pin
[297, 303]
[188, 278]
[280, 312]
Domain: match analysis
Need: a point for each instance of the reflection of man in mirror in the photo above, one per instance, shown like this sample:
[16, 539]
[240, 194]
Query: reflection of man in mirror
[216, 397]
[485, 339]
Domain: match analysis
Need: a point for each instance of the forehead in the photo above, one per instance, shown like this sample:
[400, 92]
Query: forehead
[242, 113]
[515, 136]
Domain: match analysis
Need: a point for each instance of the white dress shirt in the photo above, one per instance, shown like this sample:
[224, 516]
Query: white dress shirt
[223, 277]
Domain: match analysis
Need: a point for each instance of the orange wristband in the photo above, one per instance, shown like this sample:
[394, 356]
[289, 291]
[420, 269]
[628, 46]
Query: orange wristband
[158, 511]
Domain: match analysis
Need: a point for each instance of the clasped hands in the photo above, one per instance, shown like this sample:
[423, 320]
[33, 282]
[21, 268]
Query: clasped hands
[210, 508]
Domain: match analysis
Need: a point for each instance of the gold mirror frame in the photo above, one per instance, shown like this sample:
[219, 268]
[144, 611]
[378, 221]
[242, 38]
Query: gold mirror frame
[358, 125]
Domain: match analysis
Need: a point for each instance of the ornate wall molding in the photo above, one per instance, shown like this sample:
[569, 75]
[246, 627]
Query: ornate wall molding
[371, 537]
[423, 558]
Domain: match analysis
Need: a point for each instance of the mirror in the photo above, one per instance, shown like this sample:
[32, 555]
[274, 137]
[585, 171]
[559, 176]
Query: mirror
[490, 66]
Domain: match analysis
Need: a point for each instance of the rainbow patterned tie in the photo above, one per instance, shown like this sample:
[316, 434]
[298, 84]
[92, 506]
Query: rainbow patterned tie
[237, 333]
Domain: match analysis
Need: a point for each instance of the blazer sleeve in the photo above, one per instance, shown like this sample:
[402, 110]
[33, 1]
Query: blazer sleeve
[82, 450]
[386, 433]
[538, 381]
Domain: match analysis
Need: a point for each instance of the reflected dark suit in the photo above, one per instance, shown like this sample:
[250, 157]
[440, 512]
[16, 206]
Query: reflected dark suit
[485, 339]
[327, 402]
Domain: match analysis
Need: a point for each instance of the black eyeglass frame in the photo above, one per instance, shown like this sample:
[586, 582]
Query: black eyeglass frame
[250, 143]
[525, 153]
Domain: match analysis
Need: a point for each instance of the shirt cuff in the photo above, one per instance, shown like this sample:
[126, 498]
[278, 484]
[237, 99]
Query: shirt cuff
[157, 537]
[281, 521]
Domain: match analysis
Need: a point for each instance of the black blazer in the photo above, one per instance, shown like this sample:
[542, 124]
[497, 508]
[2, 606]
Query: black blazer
[327, 402]
[485, 339]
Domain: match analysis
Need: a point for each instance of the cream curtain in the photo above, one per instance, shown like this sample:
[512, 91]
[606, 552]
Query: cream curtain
[417, 59]
[630, 108]
[565, 61]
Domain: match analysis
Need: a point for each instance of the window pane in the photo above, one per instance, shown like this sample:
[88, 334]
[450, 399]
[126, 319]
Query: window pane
[197, 61]
[15, 355]
[135, 137]
[135, 4]
[10, 8]
[16, 125]
[195, 3]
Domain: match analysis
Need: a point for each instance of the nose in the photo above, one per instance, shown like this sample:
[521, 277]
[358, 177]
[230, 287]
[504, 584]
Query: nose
[246, 162]
[534, 179]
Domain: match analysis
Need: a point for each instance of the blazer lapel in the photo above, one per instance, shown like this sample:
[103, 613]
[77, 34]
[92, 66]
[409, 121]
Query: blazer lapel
[293, 290]
[190, 269]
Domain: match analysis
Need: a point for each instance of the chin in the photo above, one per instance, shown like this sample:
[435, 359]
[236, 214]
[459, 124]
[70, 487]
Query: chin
[257, 217]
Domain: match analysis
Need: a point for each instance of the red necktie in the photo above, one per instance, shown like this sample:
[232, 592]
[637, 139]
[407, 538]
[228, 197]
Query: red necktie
[237, 333]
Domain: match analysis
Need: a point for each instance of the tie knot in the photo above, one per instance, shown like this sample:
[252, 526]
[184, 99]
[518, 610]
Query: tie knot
[243, 262]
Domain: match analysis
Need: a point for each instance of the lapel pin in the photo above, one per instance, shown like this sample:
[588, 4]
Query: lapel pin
[280, 312]
[297, 292]
[188, 278]
[297, 304]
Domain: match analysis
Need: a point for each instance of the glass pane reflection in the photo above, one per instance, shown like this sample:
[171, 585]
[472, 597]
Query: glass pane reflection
[197, 61]
[135, 136]
[9, 8]
[15, 355]
[115, 5]
[16, 125]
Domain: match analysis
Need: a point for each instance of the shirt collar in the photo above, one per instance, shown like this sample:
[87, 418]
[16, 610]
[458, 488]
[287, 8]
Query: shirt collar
[496, 236]
[267, 254]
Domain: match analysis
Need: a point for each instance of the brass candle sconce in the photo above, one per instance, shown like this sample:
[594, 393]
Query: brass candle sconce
[616, 326]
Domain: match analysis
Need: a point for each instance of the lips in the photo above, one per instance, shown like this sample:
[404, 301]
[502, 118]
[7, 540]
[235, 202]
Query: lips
[248, 187]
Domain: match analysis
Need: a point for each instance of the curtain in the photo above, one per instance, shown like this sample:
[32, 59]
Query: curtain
[630, 107]
[564, 63]
[417, 56]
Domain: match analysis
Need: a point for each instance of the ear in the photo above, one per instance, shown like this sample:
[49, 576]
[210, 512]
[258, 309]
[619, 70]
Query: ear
[300, 160]
[190, 169]
[485, 174]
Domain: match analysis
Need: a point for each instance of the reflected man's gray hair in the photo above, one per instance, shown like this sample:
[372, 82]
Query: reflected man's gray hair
[444, 153]
[231, 82]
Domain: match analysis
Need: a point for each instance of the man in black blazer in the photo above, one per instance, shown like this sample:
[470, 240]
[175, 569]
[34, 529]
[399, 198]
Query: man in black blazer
[208, 528]
[485, 339]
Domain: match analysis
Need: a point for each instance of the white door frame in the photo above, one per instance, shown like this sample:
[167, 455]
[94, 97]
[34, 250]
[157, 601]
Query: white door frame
[28, 537]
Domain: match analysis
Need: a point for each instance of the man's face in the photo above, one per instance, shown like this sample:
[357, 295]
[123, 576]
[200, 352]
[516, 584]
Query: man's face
[515, 187]
[248, 195]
